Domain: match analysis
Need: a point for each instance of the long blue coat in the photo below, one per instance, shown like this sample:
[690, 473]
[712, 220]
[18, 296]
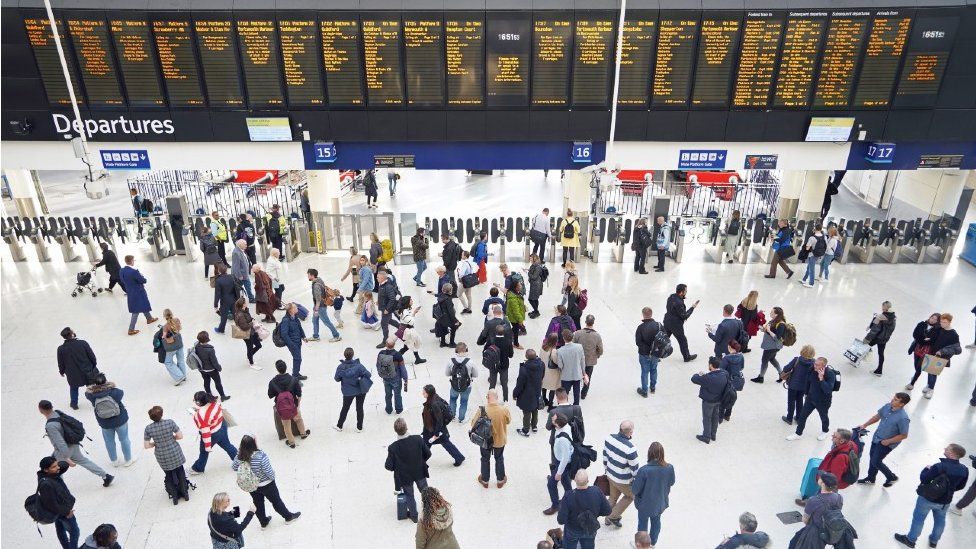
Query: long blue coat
[135, 290]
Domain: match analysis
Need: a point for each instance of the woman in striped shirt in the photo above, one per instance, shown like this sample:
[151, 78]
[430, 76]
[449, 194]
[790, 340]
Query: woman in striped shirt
[261, 467]
[209, 419]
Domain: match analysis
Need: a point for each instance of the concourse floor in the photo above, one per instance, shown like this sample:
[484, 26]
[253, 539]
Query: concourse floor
[337, 479]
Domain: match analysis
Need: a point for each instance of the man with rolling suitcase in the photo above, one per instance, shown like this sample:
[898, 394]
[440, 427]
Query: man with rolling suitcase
[286, 392]
[407, 458]
[843, 461]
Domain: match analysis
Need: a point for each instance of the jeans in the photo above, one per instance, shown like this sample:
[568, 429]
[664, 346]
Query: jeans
[73, 393]
[552, 484]
[459, 412]
[215, 377]
[109, 435]
[486, 454]
[501, 374]
[655, 521]
[794, 402]
[68, 531]
[177, 367]
[217, 438]
[421, 267]
[135, 317]
[710, 417]
[878, 453]
[394, 399]
[811, 268]
[346, 403]
[322, 313]
[246, 284]
[573, 539]
[825, 266]
[575, 387]
[393, 182]
[922, 508]
[296, 360]
[445, 442]
[225, 314]
[769, 357]
[269, 492]
[808, 407]
[411, 500]
[660, 259]
[648, 365]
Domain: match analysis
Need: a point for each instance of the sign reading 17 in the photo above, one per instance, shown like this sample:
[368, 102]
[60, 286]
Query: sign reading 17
[881, 153]
[325, 153]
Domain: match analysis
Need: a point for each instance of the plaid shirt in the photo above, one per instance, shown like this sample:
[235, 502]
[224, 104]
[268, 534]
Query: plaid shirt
[169, 455]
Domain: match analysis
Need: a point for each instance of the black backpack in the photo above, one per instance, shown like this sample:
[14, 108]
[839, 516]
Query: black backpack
[587, 522]
[437, 310]
[460, 378]
[729, 395]
[820, 246]
[73, 430]
[386, 366]
[935, 489]
[661, 347]
[583, 454]
[576, 426]
[36, 510]
[491, 356]
[276, 337]
[446, 411]
[147, 205]
[474, 248]
[564, 325]
[544, 275]
[569, 231]
[480, 434]
[834, 526]
[733, 228]
[516, 277]
[743, 336]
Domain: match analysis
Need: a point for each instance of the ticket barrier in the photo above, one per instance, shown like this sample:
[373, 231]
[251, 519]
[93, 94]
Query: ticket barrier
[745, 242]
[802, 230]
[189, 247]
[844, 235]
[63, 239]
[159, 236]
[36, 237]
[716, 248]
[913, 249]
[762, 239]
[939, 247]
[10, 237]
[678, 235]
[888, 248]
[864, 242]
[297, 238]
[90, 247]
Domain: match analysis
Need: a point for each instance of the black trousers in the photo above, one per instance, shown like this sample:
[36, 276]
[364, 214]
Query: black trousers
[570, 252]
[355, 288]
[794, 403]
[222, 251]
[113, 280]
[215, 377]
[346, 402]
[539, 248]
[530, 419]
[660, 259]
[269, 492]
[808, 408]
[486, 454]
[640, 258]
[586, 386]
[253, 345]
[453, 333]
[535, 305]
[497, 374]
[679, 334]
[881, 350]
[176, 484]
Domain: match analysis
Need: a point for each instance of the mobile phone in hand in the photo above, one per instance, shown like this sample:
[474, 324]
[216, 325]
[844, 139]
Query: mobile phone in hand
[237, 511]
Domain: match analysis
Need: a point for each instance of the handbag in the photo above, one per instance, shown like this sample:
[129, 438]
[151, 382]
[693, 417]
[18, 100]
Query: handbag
[213, 281]
[237, 333]
[229, 419]
[603, 483]
[261, 331]
[173, 343]
[401, 330]
[228, 542]
[934, 365]
[786, 252]
[922, 350]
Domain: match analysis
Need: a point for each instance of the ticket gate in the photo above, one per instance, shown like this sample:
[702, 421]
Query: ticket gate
[745, 242]
[888, 248]
[10, 237]
[189, 247]
[36, 237]
[159, 236]
[63, 239]
[678, 236]
[915, 242]
[864, 242]
[939, 246]
[90, 247]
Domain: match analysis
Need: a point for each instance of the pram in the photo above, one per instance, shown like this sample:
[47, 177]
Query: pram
[858, 352]
[85, 282]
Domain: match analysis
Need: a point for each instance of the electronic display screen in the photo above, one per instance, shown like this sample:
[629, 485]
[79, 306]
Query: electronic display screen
[261, 59]
[509, 43]
[218, 58]
[174, 46]
[846, 34]
[381, 56]
[593, 59]
[300, 60]
[423, 45]
[552, 39]
[139, 68]
[636, 59]
[342, 59]
[89, 36]
[761, 36]
[717, 50]
[677, 34]
[41, 39]
[886, 43]
[465, 50]
[925, 63]
[798, 63]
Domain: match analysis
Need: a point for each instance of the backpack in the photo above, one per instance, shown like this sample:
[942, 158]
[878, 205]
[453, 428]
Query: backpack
[743, 336]
[733, 229]
[192, 359]
[480, 433]
[106, 407]
[446, 412]
[834, 526]
[569, 231]
[147, 205]
[582, 300]
[935, 489]
[385, 365]
[276, 336]
[517, 278]
[789, 335]
[387, 254]
[157, 341]
[36, 510]
[836, 379]
[729, 395]
[587, 522]
[74, 431]
[474, 249]
[820, 246]
[583, 454]
[661, 347]
[491, 356]
[246, 479]
[285, 405]
[853, 471]
[460, 377]
[544, 275]
[437, 310]
[564, 324]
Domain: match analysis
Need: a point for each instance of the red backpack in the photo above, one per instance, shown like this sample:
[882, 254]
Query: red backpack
[582, 300]
[285, 405]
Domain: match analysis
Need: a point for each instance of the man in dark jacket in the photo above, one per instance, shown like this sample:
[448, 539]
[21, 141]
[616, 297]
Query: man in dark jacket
[818, 396]
[226, 293]
[111, 263]
[246, 232]
[294, 335]
[675, 317]
[726, 331]
[573, 414]
[209, 365]
[450, 255]
[56, 499]
[386, 301]
[640, 243]
[287, 428]
[419, 245]
[407, 458]
[747, 535]
[712, 386]
[579, 512]
[528, 391]
[934, 499]
[76, 363]
[644, 337]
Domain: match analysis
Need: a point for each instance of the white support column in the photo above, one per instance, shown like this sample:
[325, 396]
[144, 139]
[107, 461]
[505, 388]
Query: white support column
[23, 192]
[324, 191]
[812, 195]
[790, 189]
[576, 192]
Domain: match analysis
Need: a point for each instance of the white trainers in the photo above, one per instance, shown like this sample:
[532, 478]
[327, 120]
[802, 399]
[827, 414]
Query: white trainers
[927, 393]
[794, 436]
[117, 463]
[909, 387]
[335, 339]
[134, 459]
[337, 428]
[256, 367]
[823, 436]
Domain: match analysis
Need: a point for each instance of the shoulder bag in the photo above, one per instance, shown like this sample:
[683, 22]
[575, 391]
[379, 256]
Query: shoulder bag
[228, 542]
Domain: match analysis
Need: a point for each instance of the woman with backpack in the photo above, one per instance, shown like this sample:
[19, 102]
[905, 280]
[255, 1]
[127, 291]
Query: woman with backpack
[733, 363]
[515, 311]
[436, 416]
[354, 382]
[175, 360]
[112, 417]
[256, 477]
[375, 251]
[560, 322]
[551, 380]
[209, 421]
[732, 231]
[162, 435]
[773, 332]
[651, 487]
[574, 306]
[537, 274]
[568, 229]
[243, 328]
[569, 271]
[208, 245]
[748, 313]
[815, 249]
[209, 367]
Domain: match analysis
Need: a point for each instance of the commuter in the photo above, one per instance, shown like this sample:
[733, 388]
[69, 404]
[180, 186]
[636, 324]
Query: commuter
[592, 344]
[243, 329]
[880, 328]
[286, 392]
[539, 234]
[106, 536]
[240, 267]
[208, 245]
[76, 363]
[208, 365]
[162, 435]
[945, 345]
[782, 247]
[968, 497]
[748, 312]
[732, 363]
[386, 292]
[461, 372]
[569, 271]
[447, 322]
[818, 395]
[420, 246]
[138, 202]
[66, 435]
[407, 459]
[450, 255]
[112, 417]
[620, 464]
[551, 378]
[465, 267]
[815, 250]
[353, 270]
[226, 293]
[641, 241]
[573, 297]
[219, 229]
[732, 229]
[500, 417]
[209, 420]
[712, 387]
[748, 534]
[774, 330]
[111, 263]
[515, 311]
[652, 486]
[293, 335]
[645, 336]
[571, 360]
[893, 423]
[175, 360]
[267, 301]
[390, 368]
[560, 469]
[245, 231]
[528, 391]
[728, 330]
[537, 274]
[259, 466]
[922, 337]
[57, 501]
[369, 317]
[322, 298]
[833, 240]
[225, 531]
[436, 416]
[137, 299]
[973, 346]
[371, 188]
[366, 281]
[479, 254]
[490, 302]
[662, 240]
[580, 512]
[642, 540]
[814, 512]
[434, 530]
[354, 381]
[796, 374]
[392, 177]
[568, 229]
[838, 459]
[935, 496]
[408, 331]
[276, 272]
[675, 317]
[375, 251]
[276, 227]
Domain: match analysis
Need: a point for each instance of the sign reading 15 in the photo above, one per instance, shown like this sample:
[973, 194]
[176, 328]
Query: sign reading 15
[582, 151]
[880, 153]
[325, 153]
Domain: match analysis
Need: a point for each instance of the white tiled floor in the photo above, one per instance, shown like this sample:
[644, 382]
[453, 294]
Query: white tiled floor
[338, 481]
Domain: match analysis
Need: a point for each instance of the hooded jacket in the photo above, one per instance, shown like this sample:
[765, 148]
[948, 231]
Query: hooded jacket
[802, 369]
[76, 362]
[94, 392]
[880, 332]
[441, 535]
[746, 539]
[90, 543]
[54, 494]
[528, 386]
[733, 364]
[348, 374]
[837, 461]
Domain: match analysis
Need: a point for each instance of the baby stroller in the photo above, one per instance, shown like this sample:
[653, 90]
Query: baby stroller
[85, 282]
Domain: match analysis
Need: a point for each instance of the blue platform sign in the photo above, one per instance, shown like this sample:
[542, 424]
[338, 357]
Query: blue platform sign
[701, 160]
[325, 153]
[582, 152]
[880, 153]
[124, 160]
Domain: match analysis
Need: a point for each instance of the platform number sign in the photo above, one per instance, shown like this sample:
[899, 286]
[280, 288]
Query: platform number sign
[582, 152]
[880, 153]
[325, 153]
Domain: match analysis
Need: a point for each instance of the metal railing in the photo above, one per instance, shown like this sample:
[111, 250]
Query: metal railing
[209, 191]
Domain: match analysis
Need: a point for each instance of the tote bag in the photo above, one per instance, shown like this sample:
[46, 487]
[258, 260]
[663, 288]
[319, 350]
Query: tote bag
[934, 365]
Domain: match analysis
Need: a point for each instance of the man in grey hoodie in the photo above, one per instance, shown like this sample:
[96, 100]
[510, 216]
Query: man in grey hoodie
[747, 536]
[571, 359]
[70, 453]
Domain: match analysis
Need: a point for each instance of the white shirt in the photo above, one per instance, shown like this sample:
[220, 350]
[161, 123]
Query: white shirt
[541, 223]
[466, 267]
[274, 269]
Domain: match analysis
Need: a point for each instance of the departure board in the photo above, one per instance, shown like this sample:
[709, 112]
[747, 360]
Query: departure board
[886, 43]
[761, 34]
[89, 36]
[260, 56]
[594, 58]
[508, 48]
[838, 66]
[300, 61]
[218, 58]
[636, 59]
[717, 49]
[798, 64]
[423, 45]
[174, 46]
[133, 47]
[342, 59]
[381, 55]
[551, 42]
[677, 33]
[928, 51]
[465, 48]
[41, 39]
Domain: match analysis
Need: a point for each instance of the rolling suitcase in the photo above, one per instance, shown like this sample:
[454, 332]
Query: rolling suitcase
[857, 352]
[401, 506]
[808, 487]
[281, 430]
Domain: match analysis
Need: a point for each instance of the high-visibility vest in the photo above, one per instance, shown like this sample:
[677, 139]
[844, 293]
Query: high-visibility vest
[221, 230]
[282, 223]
